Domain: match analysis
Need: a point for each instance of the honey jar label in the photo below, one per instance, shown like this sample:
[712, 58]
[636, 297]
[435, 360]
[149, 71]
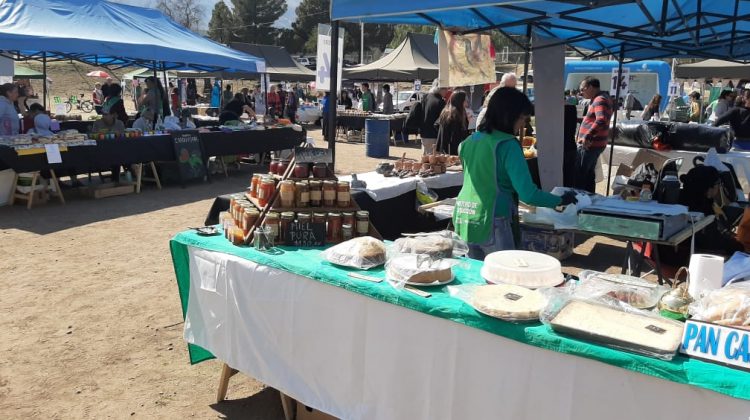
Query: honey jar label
[329, 195]
[363, 226]
[304, 197]
[315, 195]
[344, 196]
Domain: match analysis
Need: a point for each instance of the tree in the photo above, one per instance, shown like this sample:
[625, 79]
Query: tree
[309, 14]
[254, 20]
[185, 12]
[222, 23]
[287, 39]
[400, 31]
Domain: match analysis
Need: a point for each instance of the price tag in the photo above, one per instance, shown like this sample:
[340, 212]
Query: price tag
[674, 89]
[417, 85]
[623, 79]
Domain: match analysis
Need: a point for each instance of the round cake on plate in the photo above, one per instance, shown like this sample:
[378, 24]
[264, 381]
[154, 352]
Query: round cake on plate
[508, 302]
[522, 268]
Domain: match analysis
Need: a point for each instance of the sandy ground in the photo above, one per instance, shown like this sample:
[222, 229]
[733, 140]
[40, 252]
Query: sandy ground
[92, 326]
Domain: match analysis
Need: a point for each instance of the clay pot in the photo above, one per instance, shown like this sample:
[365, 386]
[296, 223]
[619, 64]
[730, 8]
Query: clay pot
[398, 165]
[425, 158]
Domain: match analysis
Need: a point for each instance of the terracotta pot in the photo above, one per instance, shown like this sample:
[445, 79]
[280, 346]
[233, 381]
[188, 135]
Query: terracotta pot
[425, 158]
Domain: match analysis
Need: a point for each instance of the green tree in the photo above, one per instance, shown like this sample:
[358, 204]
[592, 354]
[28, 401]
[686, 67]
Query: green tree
[222, 23]
[400, 31]
[286, 38]
[254, 20]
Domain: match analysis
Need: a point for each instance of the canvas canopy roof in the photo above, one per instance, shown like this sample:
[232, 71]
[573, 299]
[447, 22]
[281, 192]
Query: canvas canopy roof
[415, 58]
[713, 69]
[642, 29]
[110, 34]
[279, 64]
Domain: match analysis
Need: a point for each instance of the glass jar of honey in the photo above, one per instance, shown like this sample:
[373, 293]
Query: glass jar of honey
[363, 223]
[343, 196]
[334, 228]
[272, 223]
[249, 218]
[329, 194]
[286, 194]
[301, 170]
[316, 195]
[319, 218]
[304, 218]
[346, 232]
[254, 185]
[287, 218]
[320, 170]
[237, 236]
[283, 165]
[302, 194]
[267, 187]
[347, 218]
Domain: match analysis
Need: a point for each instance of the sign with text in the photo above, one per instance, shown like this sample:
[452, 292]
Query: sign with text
[716, 343]
[417, 85]
[323, 63]
[312, 155]
[623, 79]
[305, 234]
[187, 148]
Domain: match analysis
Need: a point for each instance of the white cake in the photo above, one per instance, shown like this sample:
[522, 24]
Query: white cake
[522, 268]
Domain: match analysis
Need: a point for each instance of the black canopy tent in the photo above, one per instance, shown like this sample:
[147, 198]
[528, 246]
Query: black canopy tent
[643, 29]
[713, 69]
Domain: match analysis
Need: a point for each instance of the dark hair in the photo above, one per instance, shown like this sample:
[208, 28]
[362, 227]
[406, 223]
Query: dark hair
[115, 89]
[387, 87]
[36, 107]
[454, 110]
[695, 184]
[229, 87]
[367, 85]
[506, 106]
[591, 81]
[655, 101]
[695, 95]
[6, 88]
[238, 96]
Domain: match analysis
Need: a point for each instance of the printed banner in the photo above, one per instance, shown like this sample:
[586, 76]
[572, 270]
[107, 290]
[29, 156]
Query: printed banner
[465, 60]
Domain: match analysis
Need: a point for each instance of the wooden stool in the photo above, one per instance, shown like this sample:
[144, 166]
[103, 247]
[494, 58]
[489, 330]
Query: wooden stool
[139, 178]
[29, 197]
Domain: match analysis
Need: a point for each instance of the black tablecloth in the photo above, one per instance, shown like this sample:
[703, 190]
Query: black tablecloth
[392, 217]
[105, 154]
[80, 126]
[351, 122]
[108, 153]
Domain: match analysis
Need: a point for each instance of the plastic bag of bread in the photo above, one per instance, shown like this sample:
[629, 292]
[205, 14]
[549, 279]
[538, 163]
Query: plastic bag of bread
[634, 291]
[504, 301]
[364, 253]
[442, 244]
[728, 306]
[609, 322]
[418, 270]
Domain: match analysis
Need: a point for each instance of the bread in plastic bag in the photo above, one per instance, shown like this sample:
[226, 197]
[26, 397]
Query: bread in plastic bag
[612, 323]
[504, 301]
[364, 253]
[418, 270]
[634, 291]
[442, 244]
[728, 306]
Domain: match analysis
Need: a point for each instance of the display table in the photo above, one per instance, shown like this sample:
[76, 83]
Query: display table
[382, 188]
[361, 350]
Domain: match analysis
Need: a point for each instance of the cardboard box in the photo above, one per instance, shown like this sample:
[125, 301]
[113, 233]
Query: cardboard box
[307, 413]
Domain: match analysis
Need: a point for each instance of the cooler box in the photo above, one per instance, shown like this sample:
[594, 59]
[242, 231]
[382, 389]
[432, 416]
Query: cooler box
[649, 227]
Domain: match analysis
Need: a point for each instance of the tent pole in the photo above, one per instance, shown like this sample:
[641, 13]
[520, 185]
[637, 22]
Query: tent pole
[614, 121]
[166, 83]
[361, 43]
[526, 54]
[44, 79]
[333, 94]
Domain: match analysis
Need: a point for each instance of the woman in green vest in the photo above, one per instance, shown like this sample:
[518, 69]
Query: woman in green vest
[496, 177]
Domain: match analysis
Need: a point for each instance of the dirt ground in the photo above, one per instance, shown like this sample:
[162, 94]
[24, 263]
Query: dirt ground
[92, 326]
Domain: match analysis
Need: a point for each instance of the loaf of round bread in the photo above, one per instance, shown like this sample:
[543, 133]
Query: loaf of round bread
[414, 269]
[435, 246]
[363, 252]
[508, 302]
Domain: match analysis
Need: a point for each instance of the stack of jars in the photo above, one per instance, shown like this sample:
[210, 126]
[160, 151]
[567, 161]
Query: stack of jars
[239, 219]
[302, 194]
[300, 170]
[339, 226]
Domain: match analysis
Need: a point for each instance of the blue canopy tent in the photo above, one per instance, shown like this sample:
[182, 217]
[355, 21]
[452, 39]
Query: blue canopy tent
[110, 35]
[631, 30]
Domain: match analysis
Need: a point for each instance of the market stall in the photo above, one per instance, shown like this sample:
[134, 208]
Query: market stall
[351, 120]
[358, 349]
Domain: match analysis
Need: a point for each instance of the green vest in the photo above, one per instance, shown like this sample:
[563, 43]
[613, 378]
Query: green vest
[474, 212]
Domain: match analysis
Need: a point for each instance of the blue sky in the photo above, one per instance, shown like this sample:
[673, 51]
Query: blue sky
[285, 21]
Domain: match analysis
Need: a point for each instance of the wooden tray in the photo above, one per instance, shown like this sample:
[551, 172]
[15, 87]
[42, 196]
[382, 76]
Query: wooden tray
[277, 208]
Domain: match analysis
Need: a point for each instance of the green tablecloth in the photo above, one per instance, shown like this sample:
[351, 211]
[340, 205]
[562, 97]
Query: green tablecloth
[308, 263]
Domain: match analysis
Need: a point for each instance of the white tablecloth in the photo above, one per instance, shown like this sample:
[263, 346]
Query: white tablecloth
[384, 188]
[739, 159]
[359, 358]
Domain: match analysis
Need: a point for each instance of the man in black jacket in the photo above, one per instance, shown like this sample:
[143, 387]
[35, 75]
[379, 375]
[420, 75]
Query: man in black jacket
[432, 105]
[739, 119]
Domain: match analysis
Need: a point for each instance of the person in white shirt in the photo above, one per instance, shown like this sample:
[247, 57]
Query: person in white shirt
[723, 104]
[145, 122]
[508, 80]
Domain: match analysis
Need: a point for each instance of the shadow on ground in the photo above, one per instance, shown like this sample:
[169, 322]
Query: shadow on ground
[264, 405]
[80, 211]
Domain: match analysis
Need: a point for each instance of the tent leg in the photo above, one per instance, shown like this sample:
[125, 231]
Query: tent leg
[526, 55]
[44, 80]
[614, 121]
[333, 94]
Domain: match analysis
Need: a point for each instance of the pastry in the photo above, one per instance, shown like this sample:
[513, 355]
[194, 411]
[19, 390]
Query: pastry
[522, 268]
[627, 330]
[363, 252]
[435, 246]
[509, 302]
[727, 306]
[418, 269]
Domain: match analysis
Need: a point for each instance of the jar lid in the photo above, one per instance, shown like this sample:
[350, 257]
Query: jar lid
[329, 183]
[287, 183]
[301, 184]
[363, 213]
[346, 226]
[316, 183]
[319, 215]
[334, 214]
[348, 214]
[272, 215]
[344, 183]
[287, 214]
